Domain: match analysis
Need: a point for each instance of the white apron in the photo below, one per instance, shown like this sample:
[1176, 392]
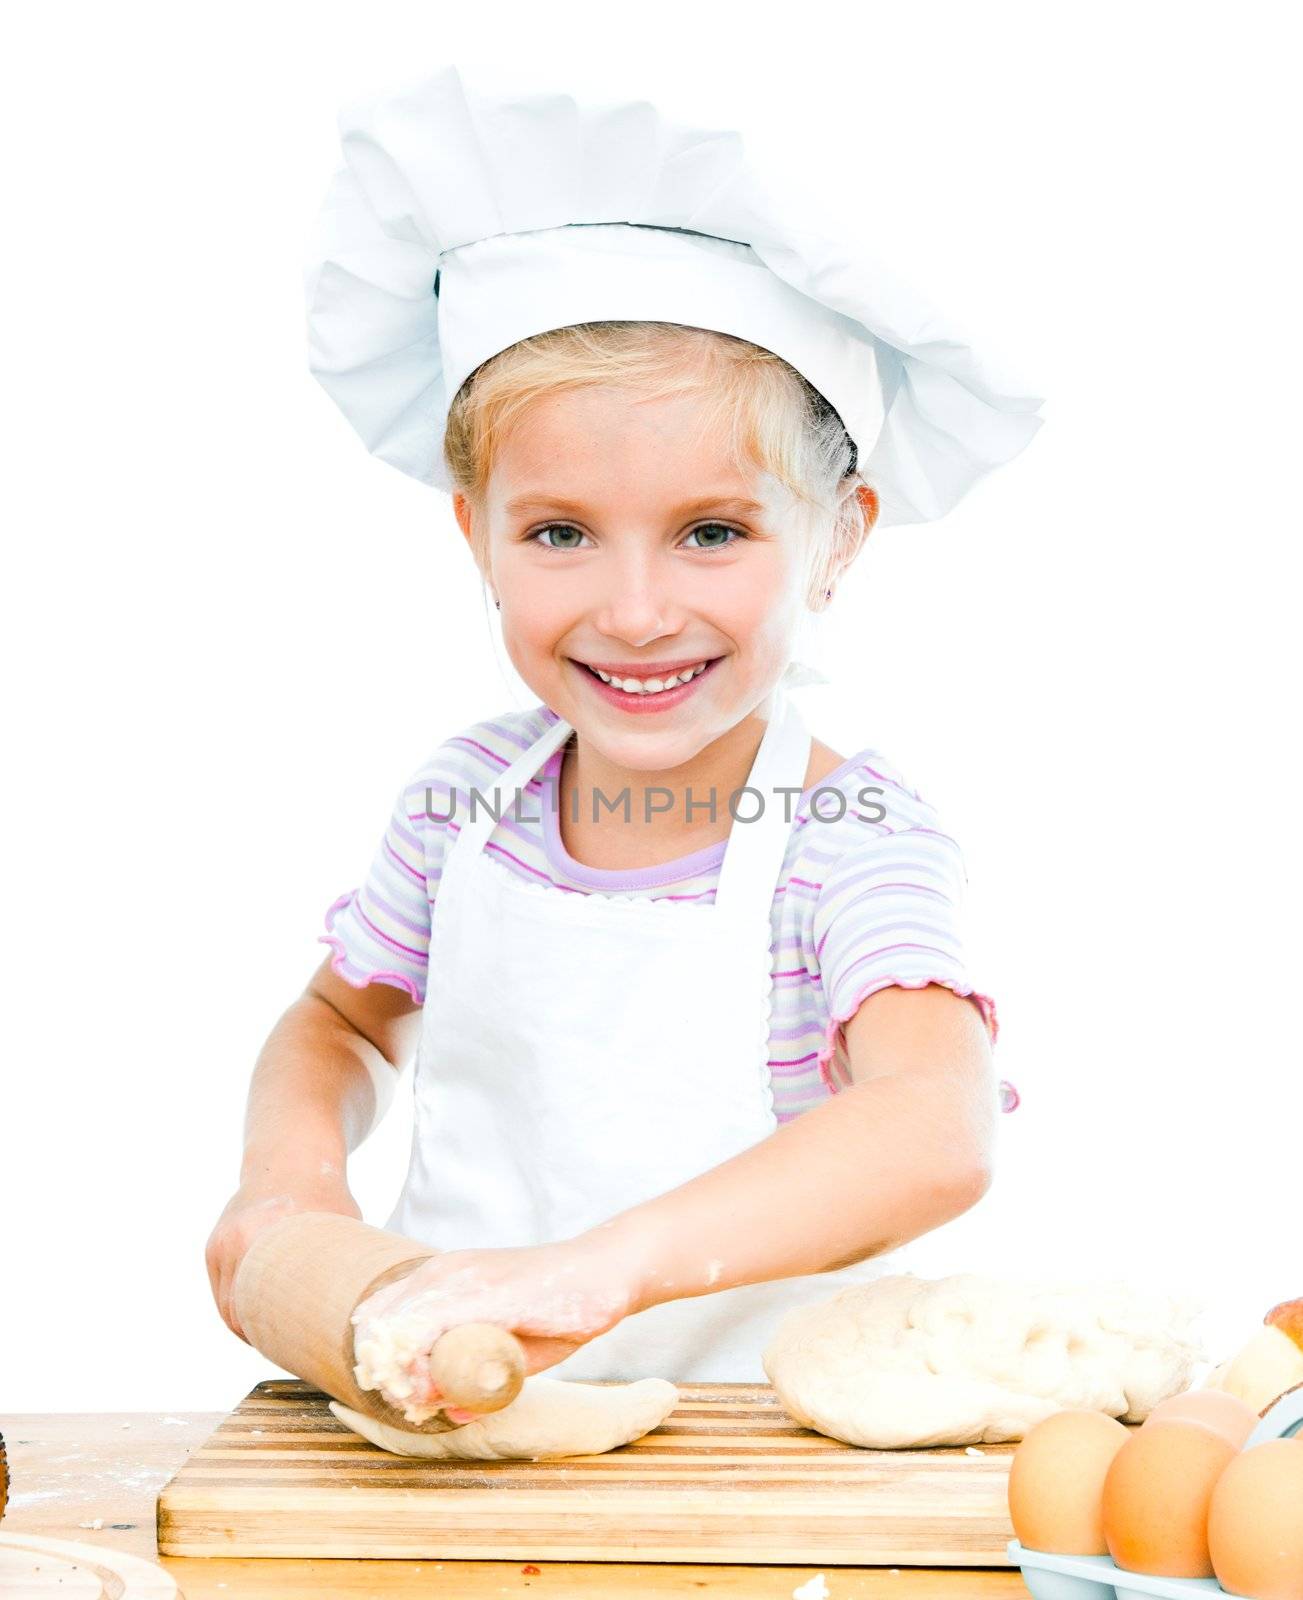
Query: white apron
[581, 1054]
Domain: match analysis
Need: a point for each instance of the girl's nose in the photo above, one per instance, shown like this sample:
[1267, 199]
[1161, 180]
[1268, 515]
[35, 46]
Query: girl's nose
[636, 602]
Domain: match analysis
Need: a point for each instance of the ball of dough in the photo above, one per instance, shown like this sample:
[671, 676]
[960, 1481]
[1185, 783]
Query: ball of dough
[548, 1418]
[907, 1362]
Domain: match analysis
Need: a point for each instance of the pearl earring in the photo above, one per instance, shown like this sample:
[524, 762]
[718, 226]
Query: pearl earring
[498, 603]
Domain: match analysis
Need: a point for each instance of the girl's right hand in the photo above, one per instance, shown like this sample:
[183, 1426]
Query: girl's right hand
[255, 1206]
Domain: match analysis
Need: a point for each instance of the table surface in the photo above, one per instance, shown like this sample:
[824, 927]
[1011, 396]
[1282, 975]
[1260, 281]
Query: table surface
[68, 1470]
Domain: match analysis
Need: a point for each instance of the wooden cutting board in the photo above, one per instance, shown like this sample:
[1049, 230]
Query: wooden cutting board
[728, 1477]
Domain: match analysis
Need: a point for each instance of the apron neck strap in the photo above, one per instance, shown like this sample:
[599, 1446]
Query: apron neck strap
[757, 844]
[757, 841]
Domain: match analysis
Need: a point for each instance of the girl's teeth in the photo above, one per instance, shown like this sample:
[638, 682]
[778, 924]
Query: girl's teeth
[652, 685]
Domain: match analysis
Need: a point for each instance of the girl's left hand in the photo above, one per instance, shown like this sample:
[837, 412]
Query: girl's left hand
[553, 1297]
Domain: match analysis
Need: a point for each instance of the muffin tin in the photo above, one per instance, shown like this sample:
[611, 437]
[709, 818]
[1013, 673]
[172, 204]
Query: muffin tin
[1051, 1577]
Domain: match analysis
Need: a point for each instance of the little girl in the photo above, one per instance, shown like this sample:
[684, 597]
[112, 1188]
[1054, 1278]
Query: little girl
[694, 1037]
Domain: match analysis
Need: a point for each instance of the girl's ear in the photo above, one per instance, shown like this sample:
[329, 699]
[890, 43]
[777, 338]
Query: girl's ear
[867, 496]
[461, 509]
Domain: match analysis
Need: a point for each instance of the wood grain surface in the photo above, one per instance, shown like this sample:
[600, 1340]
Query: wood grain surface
[43, 1569]
[95, 1477]
[729, 1477]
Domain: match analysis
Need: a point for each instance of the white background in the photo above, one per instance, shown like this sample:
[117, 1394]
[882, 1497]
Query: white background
[230, 633]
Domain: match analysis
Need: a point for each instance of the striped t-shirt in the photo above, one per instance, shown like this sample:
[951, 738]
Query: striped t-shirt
[863, 901]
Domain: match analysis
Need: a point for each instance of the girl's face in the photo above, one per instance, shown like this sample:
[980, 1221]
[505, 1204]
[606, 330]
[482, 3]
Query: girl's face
[619, 536]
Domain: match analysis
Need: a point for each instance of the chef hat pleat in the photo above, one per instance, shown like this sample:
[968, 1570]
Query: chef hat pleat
[528, 211]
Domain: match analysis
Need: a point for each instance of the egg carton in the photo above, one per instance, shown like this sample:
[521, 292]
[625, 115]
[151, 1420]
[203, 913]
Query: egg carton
[1051, 1577]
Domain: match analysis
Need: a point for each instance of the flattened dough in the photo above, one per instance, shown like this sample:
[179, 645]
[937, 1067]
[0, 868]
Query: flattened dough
[548, 1418]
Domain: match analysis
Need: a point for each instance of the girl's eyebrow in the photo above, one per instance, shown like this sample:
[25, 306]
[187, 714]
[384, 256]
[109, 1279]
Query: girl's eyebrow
[539, 502]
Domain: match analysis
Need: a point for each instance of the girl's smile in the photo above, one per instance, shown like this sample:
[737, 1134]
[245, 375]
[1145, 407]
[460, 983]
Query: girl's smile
[647, 693]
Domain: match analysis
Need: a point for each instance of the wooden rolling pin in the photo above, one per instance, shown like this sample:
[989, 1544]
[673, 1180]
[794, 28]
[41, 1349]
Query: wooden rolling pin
[298, 1286]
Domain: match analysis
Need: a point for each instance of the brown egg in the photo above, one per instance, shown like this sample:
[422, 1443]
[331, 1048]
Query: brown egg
[1255, 1522]
[1156, 1496]
[1056, 1480]
[1227, 1414]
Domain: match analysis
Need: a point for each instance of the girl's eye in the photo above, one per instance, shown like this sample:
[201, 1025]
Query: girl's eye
[568, 528]
[553, 527]
[717, 527]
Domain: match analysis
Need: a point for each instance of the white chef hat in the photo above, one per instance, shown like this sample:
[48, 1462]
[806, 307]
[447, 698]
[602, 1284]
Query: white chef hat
[465, 219]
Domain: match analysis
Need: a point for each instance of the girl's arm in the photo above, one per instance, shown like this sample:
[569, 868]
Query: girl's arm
[905, 1149]
[311, 1101]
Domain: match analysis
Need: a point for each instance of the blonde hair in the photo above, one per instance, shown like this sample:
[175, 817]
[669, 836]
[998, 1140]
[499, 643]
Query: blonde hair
[774, 417]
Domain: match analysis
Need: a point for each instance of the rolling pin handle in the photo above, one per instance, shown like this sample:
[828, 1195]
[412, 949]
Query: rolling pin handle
[478, 1366]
